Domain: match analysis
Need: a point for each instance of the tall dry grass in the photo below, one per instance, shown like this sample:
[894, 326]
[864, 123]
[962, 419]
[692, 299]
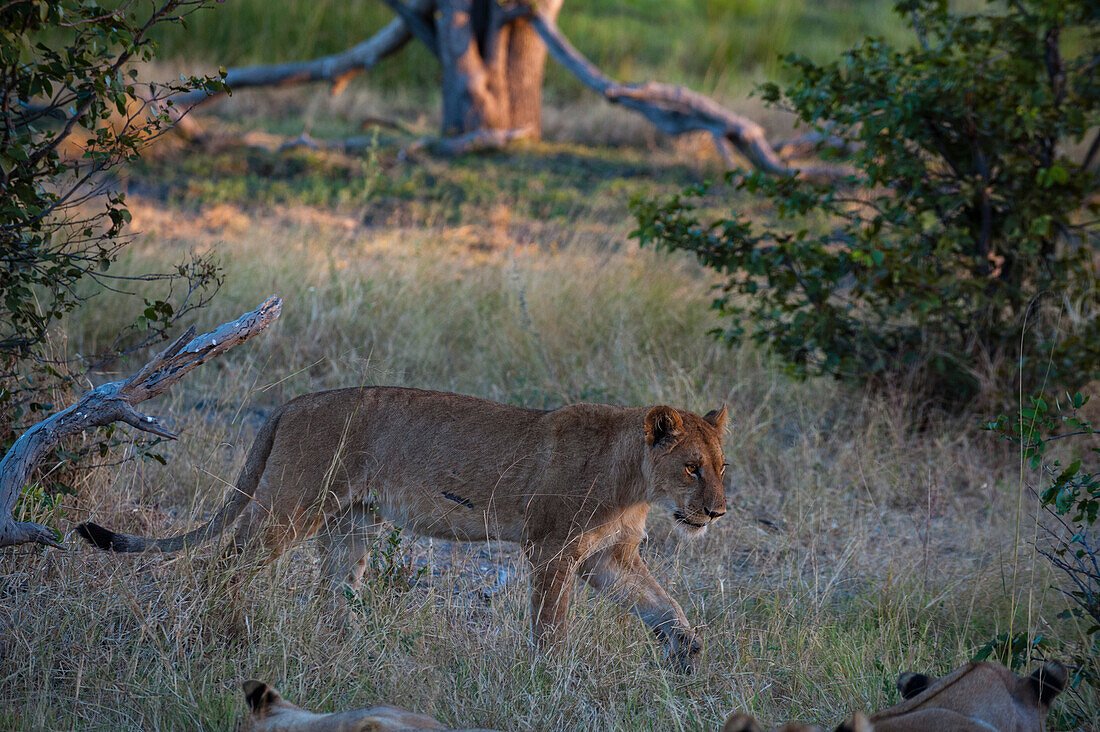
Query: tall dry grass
[856, 547]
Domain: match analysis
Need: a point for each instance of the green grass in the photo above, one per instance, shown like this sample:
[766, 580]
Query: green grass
[547, 181]
[714, 45]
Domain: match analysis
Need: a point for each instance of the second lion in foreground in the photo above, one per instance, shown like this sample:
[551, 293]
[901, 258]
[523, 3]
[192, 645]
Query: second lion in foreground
[573, 486]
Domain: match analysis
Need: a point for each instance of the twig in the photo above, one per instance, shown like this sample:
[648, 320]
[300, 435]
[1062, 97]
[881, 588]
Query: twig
[114, 402]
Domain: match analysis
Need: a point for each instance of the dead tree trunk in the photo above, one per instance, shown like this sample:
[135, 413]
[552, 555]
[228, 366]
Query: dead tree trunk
[114, 402]
[493, 64]
[526, 67]
[493, 56]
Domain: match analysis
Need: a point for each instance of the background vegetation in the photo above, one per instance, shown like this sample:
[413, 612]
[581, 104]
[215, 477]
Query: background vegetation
[867, 535]
[959, 253]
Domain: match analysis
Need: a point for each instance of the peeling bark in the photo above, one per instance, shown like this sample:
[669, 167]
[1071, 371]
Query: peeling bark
[114, 402]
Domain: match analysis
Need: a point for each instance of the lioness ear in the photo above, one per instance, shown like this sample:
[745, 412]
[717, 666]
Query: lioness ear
[858, 722]
[911, 684]
[662, 423]
[717, 418]
[259, 695]
[742, 723]
[1047, 682]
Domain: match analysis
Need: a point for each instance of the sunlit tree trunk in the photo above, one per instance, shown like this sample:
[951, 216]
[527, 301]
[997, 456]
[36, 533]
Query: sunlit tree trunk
[493, 67]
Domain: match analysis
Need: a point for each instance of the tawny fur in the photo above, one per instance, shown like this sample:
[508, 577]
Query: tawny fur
[978, 697]
[740, 722]
[269, 712]
[572, 486]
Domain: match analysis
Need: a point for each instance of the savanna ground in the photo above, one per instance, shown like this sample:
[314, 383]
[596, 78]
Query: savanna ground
[858, 545]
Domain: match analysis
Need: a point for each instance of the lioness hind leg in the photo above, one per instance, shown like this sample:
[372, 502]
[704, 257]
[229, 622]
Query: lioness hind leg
[263, 535]
[346, 540]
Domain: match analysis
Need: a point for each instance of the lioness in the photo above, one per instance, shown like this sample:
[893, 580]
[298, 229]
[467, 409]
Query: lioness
[978, 697]
[573, 486]
[269, 712]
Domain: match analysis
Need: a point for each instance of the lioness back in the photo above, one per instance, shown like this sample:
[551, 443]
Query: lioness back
[442, 464]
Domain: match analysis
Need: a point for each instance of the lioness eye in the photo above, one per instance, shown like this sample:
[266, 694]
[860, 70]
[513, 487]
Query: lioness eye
[692, 469]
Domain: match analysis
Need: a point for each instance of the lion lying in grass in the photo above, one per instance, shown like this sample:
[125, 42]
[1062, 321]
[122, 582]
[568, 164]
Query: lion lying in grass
[978, 697]
[572, 486]
[269, 712]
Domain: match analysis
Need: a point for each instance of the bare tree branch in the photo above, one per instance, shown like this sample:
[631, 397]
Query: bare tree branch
[673, 109]
[417, 24]
[810, 143]
[337, 68]
[114, 402]
[1091, 154]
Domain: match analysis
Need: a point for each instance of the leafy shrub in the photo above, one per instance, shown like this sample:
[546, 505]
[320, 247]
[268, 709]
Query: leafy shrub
[1070, 494]
[73, 111]
[960, 226]
[67, 81]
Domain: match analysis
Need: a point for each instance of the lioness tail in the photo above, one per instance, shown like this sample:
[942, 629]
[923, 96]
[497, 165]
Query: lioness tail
[235, 502]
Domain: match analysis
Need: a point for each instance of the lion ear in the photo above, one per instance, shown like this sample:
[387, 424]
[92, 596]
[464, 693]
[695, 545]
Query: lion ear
[259, 695]
[663, 423]
[717, 418]
[858, 722]
[1047, 682]
[742, 723]
[911, 684]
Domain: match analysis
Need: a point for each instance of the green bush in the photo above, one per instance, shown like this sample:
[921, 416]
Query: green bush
[67, 77]
[1048, 433]
[68, 82]
[961, 229]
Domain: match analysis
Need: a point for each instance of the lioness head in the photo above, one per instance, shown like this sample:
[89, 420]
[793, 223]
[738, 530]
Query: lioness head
[685, 466]
[979, 695]
[269, 712]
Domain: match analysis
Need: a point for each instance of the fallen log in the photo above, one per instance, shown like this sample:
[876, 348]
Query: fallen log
[114, 402]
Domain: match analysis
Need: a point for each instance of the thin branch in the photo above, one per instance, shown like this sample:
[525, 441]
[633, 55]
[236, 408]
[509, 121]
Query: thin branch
[114, 402]
[673, 109]
[337, 68]
[1091, 154]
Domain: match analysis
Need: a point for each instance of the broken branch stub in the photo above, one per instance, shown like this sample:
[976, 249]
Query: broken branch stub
[114, 402]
